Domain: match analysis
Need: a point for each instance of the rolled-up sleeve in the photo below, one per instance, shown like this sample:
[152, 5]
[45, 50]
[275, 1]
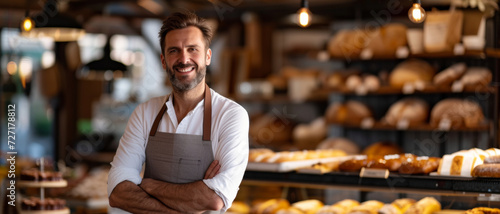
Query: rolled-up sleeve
[232, 153]
[130, 155]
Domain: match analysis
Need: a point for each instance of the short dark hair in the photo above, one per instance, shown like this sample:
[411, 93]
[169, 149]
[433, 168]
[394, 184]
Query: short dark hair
[180, 20]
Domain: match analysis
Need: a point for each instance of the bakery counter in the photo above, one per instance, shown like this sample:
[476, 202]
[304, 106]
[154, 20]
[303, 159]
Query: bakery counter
[438, 185]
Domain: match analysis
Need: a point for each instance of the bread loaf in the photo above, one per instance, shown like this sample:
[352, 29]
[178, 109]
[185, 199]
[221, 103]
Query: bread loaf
[476, 76]
[347, 44]
[449, 75]
[349, 113]
[384, 41]
[483, 210]
[308, 136]
[411, 71]
[412, 110]
[457, 113]
[419, 165]
[308, 206]
[270, 206]
[491, 170]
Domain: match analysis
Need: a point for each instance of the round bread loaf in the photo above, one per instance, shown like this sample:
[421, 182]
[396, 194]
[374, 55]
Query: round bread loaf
[411, 71]
[308, 206]
[459, 113]
[384, 41]
[349, 113]
[427, 205]
[413, 110]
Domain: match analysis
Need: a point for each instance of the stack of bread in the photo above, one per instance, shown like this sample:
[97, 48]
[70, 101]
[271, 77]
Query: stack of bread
[268, 156]
[462, 163]
[426, 205]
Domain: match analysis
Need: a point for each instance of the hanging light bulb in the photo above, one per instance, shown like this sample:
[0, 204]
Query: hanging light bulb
[27, 24]
[416, 12]
[304, 15]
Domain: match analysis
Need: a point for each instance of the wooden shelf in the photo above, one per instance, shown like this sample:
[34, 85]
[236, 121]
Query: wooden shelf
[61, 211]
[282, 98]
[43, 184]
[481, 54]
[429, 89]
[379, 126]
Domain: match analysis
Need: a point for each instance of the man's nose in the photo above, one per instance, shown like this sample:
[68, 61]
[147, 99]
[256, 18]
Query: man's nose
[184, 57]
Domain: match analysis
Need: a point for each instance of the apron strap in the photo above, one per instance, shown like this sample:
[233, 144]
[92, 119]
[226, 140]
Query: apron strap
[157, 119]
[207, 114]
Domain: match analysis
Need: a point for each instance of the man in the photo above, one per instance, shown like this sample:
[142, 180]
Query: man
[194, 142]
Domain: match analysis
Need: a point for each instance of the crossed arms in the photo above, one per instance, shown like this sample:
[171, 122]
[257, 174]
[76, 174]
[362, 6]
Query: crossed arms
[153, 196]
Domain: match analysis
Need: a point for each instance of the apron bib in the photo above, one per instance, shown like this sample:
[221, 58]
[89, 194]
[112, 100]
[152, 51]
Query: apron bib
[180, 158]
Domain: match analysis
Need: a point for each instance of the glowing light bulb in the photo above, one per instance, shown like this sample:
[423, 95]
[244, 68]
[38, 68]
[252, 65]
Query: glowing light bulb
[304, 17]
[27, 24]
[416, 13]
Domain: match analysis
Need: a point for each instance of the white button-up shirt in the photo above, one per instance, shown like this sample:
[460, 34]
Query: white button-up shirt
[230, 125]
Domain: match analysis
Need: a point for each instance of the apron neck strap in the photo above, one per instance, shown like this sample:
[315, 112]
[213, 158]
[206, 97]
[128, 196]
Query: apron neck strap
[207, 116]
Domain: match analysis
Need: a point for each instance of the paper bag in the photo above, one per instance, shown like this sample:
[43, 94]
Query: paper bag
[442, 30]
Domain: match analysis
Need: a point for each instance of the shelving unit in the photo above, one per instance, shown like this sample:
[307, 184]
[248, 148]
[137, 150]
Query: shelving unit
[439, 185]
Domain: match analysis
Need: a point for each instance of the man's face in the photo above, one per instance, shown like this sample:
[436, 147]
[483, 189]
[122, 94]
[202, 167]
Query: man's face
[185, 58]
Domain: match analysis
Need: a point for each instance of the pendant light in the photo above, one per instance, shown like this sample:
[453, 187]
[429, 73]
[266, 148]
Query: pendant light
[416, 12]
[53, 24]
[304, 15]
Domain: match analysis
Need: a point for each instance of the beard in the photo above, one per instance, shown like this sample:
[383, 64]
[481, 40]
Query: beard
[181, 86]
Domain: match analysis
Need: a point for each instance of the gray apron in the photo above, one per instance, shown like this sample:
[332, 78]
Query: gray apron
[180, 158]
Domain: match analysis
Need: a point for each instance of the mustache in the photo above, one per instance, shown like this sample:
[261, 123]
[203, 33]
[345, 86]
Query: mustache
[182, 65]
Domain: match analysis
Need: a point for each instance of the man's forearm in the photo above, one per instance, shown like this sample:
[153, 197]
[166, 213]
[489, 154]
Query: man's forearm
[191, 197]
[130, 197]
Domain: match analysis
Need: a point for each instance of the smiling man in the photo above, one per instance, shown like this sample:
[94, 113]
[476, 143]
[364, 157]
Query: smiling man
[194, 142]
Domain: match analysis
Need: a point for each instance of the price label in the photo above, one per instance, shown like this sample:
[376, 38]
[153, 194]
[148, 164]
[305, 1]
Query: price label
[403, 124]
[367, 123]
[445, 124]
[408, 88]
[457, 86]
[366, 54]
[402, 52]
[458, 49]
[374, 173]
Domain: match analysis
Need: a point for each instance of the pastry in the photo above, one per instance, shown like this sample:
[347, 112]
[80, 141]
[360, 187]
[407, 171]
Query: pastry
[483, 210]
[419, 165]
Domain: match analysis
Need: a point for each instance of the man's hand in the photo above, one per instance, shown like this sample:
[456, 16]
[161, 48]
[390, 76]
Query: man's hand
[212, 170]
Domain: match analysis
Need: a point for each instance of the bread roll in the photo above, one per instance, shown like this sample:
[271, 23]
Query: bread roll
[353, 82]
[492, 159]
[343, 144]
[331, 210]
[459, 113]
[289, 210]
[412, 110]
[347, 204]
[349, 113]
[427, 205]
[384, 41]
[308, 206]
[403, 203]
[353, 165]
[270, 206]
[335, 81]
[371, 83]
[419, 165]
[382, 148]
[411, 71]
[367, 207]
[389, 209]
[450, 74]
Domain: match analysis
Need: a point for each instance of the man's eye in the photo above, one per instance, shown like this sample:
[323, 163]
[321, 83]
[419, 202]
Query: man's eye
[172, 51]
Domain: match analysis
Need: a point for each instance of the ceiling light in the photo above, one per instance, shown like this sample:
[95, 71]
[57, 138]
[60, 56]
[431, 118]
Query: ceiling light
[416, 12]
[304, 15]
